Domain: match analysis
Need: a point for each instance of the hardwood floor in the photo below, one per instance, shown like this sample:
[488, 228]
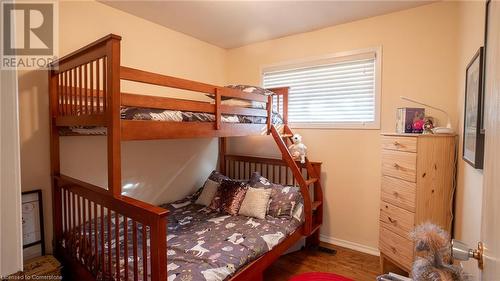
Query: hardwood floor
[355, 265]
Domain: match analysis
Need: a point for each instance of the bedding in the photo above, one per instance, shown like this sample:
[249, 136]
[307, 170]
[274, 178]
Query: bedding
[202, 245]
[255, 203]
[229, 197]
[245, 103]
[151, 114]
[217, 176]
[251, 89]
[140, 113]
[283, 198]
[208, 193]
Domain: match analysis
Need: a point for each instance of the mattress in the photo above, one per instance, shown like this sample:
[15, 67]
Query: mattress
[202, 245]
[152, 114]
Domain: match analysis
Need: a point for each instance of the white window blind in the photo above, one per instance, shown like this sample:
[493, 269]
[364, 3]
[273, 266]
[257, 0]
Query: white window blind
[330, 92]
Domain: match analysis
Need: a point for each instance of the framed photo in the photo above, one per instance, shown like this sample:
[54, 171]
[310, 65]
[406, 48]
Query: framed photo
[487, 34]
[33, 232]
[473, 141]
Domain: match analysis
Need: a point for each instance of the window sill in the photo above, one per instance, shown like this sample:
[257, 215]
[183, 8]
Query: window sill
[336, 126]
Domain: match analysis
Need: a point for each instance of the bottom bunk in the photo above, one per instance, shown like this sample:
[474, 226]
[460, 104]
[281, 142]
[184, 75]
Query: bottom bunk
[107, 238]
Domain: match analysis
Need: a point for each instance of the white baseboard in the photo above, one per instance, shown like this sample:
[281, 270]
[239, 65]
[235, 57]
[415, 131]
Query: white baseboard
[350, 245]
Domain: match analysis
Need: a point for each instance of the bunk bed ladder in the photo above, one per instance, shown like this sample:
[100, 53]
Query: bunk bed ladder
[313, 198]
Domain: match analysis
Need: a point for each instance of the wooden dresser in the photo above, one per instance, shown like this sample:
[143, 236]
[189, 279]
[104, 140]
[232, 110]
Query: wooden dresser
[417, 183]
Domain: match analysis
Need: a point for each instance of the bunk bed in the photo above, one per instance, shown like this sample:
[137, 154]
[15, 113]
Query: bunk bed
[86, 99]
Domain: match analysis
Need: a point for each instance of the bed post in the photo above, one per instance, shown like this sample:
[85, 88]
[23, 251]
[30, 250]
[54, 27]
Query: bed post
[54, 159]
[222, 155]
[159, 248]
[113, 96]
[269, 113]
[218, 115]
[281, 93]
[285, 105]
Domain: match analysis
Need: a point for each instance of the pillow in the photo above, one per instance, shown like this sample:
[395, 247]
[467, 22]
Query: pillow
[258, 181]
[283, 198]
[251, 89]
[229, 197]
[255, 203]
[244, 103]
[208, 193]
[217, 177]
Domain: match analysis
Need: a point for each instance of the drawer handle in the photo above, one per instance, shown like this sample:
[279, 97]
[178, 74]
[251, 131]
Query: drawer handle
[398, 167]
[398, 144]
[394, 250]
[396, 194]
[393, 221]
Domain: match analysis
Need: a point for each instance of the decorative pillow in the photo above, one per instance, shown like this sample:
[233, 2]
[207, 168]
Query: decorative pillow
[229, 197]
[258, 181]
[217, 177]
[298, 211]
[208, 193]
[255, 203]
[283, 198]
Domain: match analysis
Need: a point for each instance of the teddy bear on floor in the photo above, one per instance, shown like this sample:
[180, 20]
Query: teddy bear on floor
[297, 149]
[433, 263]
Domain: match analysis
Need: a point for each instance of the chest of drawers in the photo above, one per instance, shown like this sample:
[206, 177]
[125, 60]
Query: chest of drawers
[417, 186]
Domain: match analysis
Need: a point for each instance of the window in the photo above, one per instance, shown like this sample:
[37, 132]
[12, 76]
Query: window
[341, 91]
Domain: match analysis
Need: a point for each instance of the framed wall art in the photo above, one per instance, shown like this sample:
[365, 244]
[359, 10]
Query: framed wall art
[487, 37]
[33, 232]
[473, 140]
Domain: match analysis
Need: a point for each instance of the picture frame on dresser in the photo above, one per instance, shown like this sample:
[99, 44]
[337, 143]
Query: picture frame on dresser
[473, 139]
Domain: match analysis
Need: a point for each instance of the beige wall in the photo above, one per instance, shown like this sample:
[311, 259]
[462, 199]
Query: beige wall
[470, 181]
[425, 51]
[419, 60]
[153, 167]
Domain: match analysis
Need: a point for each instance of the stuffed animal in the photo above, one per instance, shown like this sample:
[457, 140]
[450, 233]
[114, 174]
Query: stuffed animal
[297, 149]
[432, 245]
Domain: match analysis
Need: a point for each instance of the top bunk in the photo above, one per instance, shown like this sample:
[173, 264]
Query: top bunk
[86, 99]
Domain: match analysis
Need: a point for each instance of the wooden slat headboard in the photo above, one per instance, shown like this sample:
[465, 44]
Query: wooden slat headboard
[241, 167]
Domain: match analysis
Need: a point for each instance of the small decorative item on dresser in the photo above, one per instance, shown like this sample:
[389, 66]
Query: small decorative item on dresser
[428, 125]
[410, 120]
[435, 130]
[473, 146]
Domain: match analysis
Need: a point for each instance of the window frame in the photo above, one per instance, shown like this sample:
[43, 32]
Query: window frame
[329, 59]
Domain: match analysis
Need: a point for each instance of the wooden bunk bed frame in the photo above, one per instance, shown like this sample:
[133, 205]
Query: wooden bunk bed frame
[84, 89]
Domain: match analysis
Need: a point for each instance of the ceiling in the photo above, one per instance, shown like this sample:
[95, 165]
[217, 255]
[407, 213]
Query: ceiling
[231, 24]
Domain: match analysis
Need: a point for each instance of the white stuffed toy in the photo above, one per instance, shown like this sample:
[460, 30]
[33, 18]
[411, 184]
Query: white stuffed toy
[298, 150]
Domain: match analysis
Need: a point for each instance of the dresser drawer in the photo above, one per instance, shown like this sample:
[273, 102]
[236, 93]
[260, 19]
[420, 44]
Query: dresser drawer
[408, 144]
[396, 219]
[399, 192]
[396, 247]
[399, 164]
